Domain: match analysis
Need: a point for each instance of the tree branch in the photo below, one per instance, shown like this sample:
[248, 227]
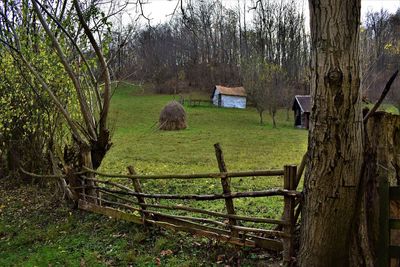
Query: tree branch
[382, 97]
[73, 41]
[105, 71]
[87, 115]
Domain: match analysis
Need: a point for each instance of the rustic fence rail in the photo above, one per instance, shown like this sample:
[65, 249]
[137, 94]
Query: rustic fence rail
[195, 102]
[130, 203]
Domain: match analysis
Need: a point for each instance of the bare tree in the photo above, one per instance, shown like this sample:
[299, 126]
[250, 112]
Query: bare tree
[91, 87]
[264, 85]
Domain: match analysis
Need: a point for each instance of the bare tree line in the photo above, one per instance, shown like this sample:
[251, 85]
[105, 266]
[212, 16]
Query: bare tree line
[207, 43]
[380, 50]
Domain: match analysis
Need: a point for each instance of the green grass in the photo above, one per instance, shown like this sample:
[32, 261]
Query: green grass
[247, 145]
[39, 230]
[36, 230]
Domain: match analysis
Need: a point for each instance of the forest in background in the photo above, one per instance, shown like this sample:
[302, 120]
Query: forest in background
[263, 45]
[206, 43]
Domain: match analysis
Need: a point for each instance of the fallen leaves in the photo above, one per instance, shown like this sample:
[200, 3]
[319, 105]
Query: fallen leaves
[167, 252]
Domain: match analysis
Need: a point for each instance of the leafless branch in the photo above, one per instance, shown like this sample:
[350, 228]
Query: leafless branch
[104, 69]
[382, 97]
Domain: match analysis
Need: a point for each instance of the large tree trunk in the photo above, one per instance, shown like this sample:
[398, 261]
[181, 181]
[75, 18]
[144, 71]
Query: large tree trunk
[335, 144]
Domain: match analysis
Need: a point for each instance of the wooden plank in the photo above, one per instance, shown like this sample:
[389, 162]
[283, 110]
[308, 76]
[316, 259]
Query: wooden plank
[138, 189]
[265, 232]
[300, 171]
[272, 244]
[208, 212]
[86, 160]
[190, 176]
[218, 214]
[114, 213]
[265, 193]
[394, 252]
[208, 234]
[107, 182]
[177, 219]
[394, 192]
[297, 213]
[186, 223]
[151, 213]
[383, 243]
[226, 187]
[71, 195]
[288, 215]
[394, 224]
[183, 225]
[188, 220]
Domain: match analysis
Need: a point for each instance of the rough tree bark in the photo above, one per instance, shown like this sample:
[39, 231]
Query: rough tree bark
[335, 148]
[381, 159]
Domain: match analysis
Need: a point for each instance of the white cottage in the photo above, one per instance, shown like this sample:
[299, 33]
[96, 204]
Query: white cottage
[229, 97]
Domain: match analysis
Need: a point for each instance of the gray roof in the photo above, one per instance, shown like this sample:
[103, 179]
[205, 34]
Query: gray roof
[304, 102]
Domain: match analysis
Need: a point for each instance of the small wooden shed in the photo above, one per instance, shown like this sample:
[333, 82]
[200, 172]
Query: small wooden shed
[302, 108]
[229, 97]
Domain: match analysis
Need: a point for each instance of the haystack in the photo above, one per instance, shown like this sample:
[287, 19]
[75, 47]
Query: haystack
[172, 117]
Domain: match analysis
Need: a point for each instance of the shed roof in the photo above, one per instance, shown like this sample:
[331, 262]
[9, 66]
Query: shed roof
[235, 91]
[304, 102]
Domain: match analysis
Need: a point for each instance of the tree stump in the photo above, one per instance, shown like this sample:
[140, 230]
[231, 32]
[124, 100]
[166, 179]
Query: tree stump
[381, 159]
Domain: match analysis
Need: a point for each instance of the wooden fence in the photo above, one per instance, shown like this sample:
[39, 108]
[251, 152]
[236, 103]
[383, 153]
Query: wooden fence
[195, 102]
[130, 204]
[387, 252]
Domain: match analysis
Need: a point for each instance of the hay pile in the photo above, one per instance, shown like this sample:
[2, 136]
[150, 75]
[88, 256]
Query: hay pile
[172, 117]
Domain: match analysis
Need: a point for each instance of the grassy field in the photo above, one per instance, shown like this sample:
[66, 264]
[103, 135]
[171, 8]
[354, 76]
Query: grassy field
[38, 231]
[247, 145]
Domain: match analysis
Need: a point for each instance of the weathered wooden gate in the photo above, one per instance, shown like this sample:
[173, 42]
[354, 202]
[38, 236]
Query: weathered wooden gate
[123, 202]
[388, 251]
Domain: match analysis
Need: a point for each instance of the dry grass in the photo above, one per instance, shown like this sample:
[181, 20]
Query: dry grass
[172, 117]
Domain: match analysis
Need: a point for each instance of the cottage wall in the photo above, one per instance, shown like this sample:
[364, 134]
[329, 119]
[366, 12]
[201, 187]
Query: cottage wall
[215, 97]
[229, 101]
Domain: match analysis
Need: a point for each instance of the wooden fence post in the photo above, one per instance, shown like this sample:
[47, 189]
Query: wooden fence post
[86, 158]
[138, 189]
[289, 183]
[226, 187]
[384, 234]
